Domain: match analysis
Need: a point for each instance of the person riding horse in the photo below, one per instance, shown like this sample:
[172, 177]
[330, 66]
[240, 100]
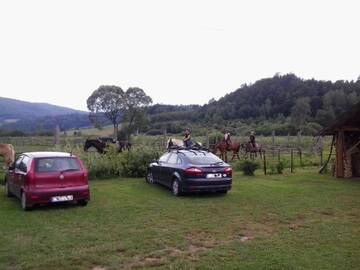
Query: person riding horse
[187, 138]
[252, 140]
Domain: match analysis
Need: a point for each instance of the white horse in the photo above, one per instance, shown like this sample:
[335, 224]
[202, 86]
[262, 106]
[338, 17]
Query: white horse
[171, 143]
[8, 153]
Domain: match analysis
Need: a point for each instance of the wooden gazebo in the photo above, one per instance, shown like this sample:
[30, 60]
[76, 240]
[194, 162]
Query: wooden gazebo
[346, 139]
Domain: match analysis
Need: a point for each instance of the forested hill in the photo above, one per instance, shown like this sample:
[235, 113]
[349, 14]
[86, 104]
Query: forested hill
[284, 103]
[285, 96]
[17, 109]
[35, 117]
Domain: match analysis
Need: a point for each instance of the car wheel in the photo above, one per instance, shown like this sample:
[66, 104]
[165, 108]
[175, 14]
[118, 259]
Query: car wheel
[24, 204]
[7, 190]
[83, 202]
[150, 178]
[175, 187]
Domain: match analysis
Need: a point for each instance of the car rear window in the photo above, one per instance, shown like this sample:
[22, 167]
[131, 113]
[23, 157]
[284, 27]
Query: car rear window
[202, 158]
[57, 164]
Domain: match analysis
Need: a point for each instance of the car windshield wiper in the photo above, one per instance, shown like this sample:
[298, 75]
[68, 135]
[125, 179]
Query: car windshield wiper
[69, 170]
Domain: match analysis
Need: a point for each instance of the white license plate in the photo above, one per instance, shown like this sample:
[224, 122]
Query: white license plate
[214, 175]
[62, 198]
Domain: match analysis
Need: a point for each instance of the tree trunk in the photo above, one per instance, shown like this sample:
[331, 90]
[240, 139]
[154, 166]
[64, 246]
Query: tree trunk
[116, 129]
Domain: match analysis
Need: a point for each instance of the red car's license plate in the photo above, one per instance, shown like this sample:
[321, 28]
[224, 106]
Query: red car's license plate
[62, 198]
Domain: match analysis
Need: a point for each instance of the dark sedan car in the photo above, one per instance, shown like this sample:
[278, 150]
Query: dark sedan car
[190, 171]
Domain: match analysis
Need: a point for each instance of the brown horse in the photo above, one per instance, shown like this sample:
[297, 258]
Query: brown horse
[101, 145]
[8, 153]
[223, 147]
[253, 151]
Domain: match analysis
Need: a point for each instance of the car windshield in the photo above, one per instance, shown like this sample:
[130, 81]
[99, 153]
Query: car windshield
[203, 158]
[57, 164]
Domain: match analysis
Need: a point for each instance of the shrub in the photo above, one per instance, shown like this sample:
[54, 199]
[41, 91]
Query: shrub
[248, 167]
[215, 137]
[135, 163]
[280, 167]
[113, 164]
[276, 168]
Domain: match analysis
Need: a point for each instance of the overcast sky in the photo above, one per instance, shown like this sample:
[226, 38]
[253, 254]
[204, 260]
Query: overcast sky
[177, 51]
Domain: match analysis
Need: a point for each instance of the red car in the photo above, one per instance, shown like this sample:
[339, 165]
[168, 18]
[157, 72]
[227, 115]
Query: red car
[47, 177]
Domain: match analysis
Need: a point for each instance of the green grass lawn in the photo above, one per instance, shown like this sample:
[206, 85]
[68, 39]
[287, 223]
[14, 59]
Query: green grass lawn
[300, 221]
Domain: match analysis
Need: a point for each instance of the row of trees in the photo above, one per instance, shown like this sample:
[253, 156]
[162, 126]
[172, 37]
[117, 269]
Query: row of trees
[287, 104]
[290, 104]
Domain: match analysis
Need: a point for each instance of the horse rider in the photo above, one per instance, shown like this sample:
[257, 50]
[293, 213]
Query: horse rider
[187, 138]
[227, 139]
[252, 139]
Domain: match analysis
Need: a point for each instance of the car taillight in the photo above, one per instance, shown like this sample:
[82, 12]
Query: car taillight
[194, 172]
[228, 171]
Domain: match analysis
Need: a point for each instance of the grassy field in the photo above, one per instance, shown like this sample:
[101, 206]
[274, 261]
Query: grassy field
[299, 221]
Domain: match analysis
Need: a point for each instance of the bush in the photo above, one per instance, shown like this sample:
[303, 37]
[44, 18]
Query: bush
[135, 163]
[280, 167]
[215, 137]
[277, 169]
[248, 167]
[113, 164]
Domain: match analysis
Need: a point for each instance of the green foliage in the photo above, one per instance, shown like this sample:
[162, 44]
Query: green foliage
[135, 163]
[277, 168]
[248, 167]
[285, 104]
[215, 137]
[300, 112]
[113, 164]
[118, 106]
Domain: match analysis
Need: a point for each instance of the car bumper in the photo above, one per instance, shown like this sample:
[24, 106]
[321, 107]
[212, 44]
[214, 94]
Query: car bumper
[206, 185]
[45, 196]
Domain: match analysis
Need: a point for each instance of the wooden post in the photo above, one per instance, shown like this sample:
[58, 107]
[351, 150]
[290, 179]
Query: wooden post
[273, 143]
[321, 151]
[321, 157]
[288, 140]
[57, 135]
[165, 135]
[279, 155]
[292, 161]
[299, 137]
[340, 154]
[264, 162]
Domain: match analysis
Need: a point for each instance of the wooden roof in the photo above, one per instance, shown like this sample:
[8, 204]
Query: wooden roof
[349, 121]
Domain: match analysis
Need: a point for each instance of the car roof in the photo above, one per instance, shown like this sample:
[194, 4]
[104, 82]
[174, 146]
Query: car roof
[47, 154]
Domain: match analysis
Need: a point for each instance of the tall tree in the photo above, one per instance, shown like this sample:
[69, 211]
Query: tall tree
[300, 112]
[134, 102]
[109, 100]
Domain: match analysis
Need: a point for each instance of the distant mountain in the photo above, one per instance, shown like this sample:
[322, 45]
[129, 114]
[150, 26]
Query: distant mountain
[12, 109]
[34, 117]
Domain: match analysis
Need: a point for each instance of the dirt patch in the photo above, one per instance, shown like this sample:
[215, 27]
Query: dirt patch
[198, 242]
[98, 268]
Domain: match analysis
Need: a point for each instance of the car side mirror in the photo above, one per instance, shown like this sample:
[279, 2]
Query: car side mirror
[12, 166]
[155, 161]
